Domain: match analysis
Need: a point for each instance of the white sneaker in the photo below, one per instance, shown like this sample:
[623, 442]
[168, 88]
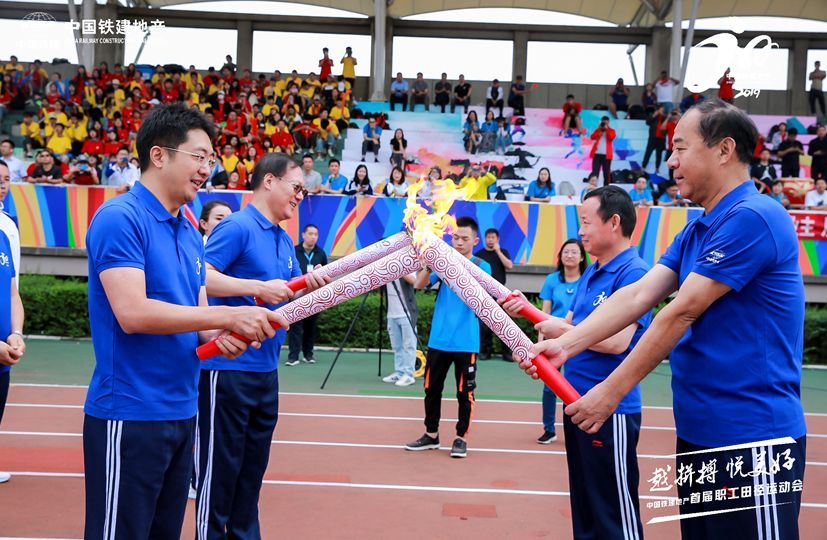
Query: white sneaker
[392, 378]
[192, 494]
[4, 477]
[405, 380]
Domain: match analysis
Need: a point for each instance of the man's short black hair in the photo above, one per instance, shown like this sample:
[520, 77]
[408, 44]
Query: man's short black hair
[776, 182]
[570, 96]
[309, 226]
[792, 131]
[492, 230]
[615, 200]
[720, 120]
[11, 142]
[4, 164]
[604, 118]
[332, 161]
[306, 156]
[275, 163]
[169, 125]
[465, 221]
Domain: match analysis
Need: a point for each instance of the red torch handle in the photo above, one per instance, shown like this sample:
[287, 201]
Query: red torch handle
[529, 311]
[296, 284]
[555, 380]
[210, 348]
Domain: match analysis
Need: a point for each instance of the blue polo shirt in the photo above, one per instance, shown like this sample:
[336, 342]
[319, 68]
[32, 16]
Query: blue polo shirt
[143, 376]
[645, 196]
[736, 372]
[247, 245]
[596, 285]
[7, 273]
[337, 183]
[535, 190]
[454, 326]
[559, 293]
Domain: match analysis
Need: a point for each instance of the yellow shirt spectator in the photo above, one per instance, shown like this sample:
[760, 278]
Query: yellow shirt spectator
[32, 130]
[308, 92]
[337, 113]
[60, 117]
[349, 69]
[59, 144]
[77, 132]
[483, 182]
[230, 163]
[331, 127]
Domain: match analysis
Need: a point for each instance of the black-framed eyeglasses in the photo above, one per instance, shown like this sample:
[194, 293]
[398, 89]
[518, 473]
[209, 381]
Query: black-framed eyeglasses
[297, 188]
[200, 158]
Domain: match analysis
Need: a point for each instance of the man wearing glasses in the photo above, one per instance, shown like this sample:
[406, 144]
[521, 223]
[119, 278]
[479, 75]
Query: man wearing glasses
[148, 312]
[248, 256]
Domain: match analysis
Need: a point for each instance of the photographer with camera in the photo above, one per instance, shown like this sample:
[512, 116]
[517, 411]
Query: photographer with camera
[602, 152]
[81, 173]
[121, 173]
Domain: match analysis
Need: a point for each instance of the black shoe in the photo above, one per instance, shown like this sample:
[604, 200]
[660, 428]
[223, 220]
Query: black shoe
[485, 356]
[547, 437]
[425, 442]
[376, 160]
[459, 449]
[363, 159]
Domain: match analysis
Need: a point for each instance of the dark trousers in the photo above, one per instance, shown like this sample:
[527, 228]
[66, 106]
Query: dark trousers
[370, 146]
[442, 100]
[487, 338]
[818, 169]
[436, 370]
[816, 96]
[777, 514]
[424, 100]
[462, 103]
[237, 414]
[603, 479]
[399, 99]
[517, 103]
[4, 391]
[656, 145]
[599, 162]
[791, 171]
[491, 103]
[301, 337]
[137, 476]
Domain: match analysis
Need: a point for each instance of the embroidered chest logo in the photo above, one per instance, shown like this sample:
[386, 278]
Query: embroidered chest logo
[290, 264]
[198, 266]
[4, 259]
[599, 299]
[715, 256]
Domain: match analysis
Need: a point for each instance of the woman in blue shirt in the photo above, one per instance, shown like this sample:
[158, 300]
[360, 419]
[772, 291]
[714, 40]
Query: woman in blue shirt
[488, 131]
[471, 132]
[557, 295]
[642, 195]
[542, 189]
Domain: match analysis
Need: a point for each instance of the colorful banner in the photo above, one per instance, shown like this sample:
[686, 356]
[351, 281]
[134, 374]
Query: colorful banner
[59, 216]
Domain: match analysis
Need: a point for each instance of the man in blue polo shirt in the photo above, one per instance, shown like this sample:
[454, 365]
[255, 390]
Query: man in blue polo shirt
[603, 470]
[454, 340]
[733, 333]
[248, 255]
[148, 312]
[334, 183]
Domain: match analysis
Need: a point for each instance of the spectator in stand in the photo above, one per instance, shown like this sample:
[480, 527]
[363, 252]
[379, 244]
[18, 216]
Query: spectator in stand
[399, 149]
[396, 186]
[360, 183]
[462, 95]
[571, 114]
[301, 336]
[59, 143]
[725, 91]
[500, 262]
[402, 315]
[516, 96]
[312, 179]
[816, 199]
[282, 139]
[488, 130]
[76, 131]
[482, 181]
[671, 196]
[690, 101]
[777, 135]
[17, 169]
[602, 151]
[619, 95]
[557, 295]
[471, 133]
[349, 67]
[777, 194]
[763, 172]
[229, 159]
[591, 185]
[333, 182]
[399, 92]
[112, 144]
[250, 160]
[657, 137]
[30, 131]
[328, 135]
[494, 97]
[816, 94]
[305, 134]
[371, 139]
[665, 91]
[120, 172]
[671, 124]
[542, 189]
[420, 93]
[789, 151]
[46, 171]
[818, 150]
[235, 183]
[81, 174]
[641, 194]
[502, 138]
[442, 92]
[212, 214]
[325, 65]
[340, 114]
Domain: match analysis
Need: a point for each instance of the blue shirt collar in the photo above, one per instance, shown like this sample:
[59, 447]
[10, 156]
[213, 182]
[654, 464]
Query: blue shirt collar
[741, 192]
[262, 221]
[151, 202]
[619, 260]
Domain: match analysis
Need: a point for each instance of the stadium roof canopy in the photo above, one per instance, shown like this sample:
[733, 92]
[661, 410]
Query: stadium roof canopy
[620, 12]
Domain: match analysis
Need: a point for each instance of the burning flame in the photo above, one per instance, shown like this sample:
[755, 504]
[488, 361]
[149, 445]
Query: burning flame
[420, 221]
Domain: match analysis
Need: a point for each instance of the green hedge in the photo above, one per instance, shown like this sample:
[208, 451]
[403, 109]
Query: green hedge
[57, 307]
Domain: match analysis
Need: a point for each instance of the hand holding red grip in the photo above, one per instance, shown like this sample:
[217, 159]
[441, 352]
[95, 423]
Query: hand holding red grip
[296, 284]
[529, 310]
[210, 349]
[554, 379]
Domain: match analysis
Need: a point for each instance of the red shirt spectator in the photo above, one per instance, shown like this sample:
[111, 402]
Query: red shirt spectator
[610, 136]
[725, 91]
[95, 146]
[282, 139]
